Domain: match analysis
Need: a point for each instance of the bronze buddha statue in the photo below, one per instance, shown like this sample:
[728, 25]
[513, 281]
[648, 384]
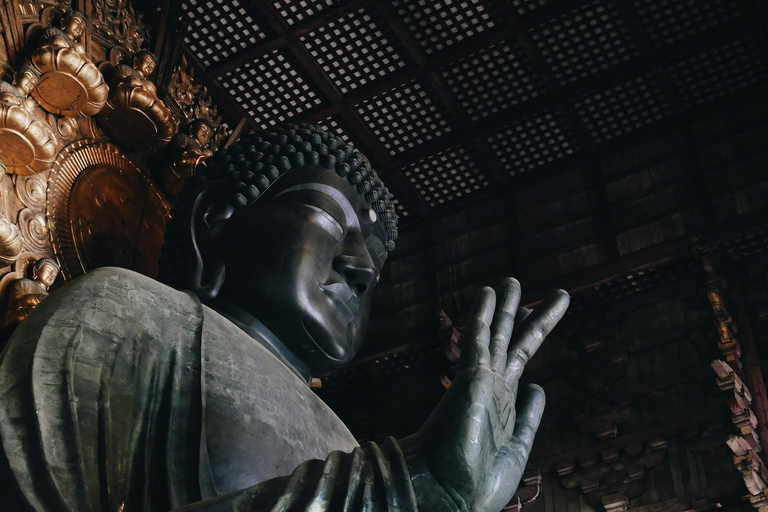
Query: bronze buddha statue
[188, 151]
[27, 142]
[119, 393]
[25, 294]
[133, 114]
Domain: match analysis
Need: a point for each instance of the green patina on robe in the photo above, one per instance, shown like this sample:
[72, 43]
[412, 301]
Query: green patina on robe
[121, 394]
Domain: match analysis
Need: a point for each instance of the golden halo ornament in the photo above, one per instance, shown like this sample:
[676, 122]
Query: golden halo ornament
[27, 145]
[103, 211]
[136, 118]
[70, 84]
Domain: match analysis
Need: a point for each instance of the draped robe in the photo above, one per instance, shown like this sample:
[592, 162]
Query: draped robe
[121, 394]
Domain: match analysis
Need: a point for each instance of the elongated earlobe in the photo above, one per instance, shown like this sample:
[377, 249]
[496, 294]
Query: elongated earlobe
[209, 214]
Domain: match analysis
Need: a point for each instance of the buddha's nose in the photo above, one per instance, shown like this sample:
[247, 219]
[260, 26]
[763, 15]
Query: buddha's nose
[356, 271]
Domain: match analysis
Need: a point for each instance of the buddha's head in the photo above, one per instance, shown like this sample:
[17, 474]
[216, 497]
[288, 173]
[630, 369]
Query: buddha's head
[144, 62]
[45, 271]
[292, 226]
[74, 24]
[202, 131]
[27, 78]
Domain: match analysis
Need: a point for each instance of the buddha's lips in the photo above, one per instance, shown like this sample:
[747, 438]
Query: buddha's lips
[344, 294]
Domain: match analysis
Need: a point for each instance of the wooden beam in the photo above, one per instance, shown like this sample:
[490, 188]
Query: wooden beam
[751, 360]
[686, 424]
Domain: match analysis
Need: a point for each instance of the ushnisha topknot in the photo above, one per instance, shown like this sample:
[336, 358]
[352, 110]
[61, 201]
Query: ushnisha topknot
[255, 162]
[42, 261]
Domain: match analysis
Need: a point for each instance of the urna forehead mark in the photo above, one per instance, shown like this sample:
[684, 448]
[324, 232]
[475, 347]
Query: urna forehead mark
[350, 215]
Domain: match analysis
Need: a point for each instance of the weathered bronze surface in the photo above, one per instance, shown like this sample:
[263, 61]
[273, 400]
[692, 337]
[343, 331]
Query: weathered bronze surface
[157, 399]
[101, 208]
[25, 294]
[70, 84]
[27, 143]
[134, 114]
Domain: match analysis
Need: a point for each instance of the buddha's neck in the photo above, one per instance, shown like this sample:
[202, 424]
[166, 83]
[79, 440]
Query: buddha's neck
[259, 332]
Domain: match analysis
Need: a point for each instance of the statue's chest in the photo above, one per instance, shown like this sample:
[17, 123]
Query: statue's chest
[259, 420]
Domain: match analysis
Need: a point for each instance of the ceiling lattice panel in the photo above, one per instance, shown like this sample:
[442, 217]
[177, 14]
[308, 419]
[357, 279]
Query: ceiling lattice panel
[532, 142]
[622, 108]
[221, 28]
[356, 49]
[584, 41]
[295, 12]
[406, 117]
[271, 89]
[668, 21]
[718, 71]
[410, 82]
[438, 24]
[493, 79]
[447, 175]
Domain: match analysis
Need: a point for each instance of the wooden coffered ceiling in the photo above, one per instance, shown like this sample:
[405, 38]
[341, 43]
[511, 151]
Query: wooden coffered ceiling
[456, 99]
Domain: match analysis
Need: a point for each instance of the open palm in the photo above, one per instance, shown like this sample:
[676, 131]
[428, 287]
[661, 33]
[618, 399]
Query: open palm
[477, 441]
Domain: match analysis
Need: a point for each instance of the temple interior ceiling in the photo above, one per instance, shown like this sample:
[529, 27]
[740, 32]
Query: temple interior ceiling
[612, 148]
[455, 100]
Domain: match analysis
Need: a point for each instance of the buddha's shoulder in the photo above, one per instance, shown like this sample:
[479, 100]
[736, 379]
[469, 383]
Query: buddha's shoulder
[110, 296]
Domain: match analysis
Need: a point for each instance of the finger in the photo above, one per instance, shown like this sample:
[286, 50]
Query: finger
[503, 323]
[529, 412]
[478, 333]
[522, 314]
[532, 334]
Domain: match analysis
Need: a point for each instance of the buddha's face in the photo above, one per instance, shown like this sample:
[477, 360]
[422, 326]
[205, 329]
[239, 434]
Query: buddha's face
[26, 81]
[202, 133]
[144, 65]
[46, 274]
[304, 260]
[75, 27]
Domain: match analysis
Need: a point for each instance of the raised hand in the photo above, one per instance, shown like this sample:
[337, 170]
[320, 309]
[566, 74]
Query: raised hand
[476, 443]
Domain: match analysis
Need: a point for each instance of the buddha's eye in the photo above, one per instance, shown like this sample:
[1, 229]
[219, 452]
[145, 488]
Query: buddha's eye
[327, 221]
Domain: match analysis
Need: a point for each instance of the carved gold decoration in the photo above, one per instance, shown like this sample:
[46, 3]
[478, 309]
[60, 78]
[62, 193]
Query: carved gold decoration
[134, 115]
[27, 145]
[33, 229]
[191, 101]
[70, 84]
[101, 207]
[11, 244]
[116, 23]
[31, 190]
[190, 150]
[25, 294]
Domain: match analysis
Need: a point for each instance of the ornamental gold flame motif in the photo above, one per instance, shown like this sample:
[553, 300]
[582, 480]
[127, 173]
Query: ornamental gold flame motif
[70, 84]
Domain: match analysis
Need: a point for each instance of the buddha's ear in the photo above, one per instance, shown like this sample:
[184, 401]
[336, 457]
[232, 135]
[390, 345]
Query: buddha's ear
[210, 212]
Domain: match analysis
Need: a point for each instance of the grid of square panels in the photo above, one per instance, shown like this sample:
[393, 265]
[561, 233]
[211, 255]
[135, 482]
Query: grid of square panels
[530, 143]
[437, 24]
[220, 28]
[667, 21]
[447, 175]
[406, 116]
[581, 42]
[355, 49]
[718, 71]
[334, 126]
[294, 11]
[526, 6]
[622, 108]
[493, 79]
[270, 89]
